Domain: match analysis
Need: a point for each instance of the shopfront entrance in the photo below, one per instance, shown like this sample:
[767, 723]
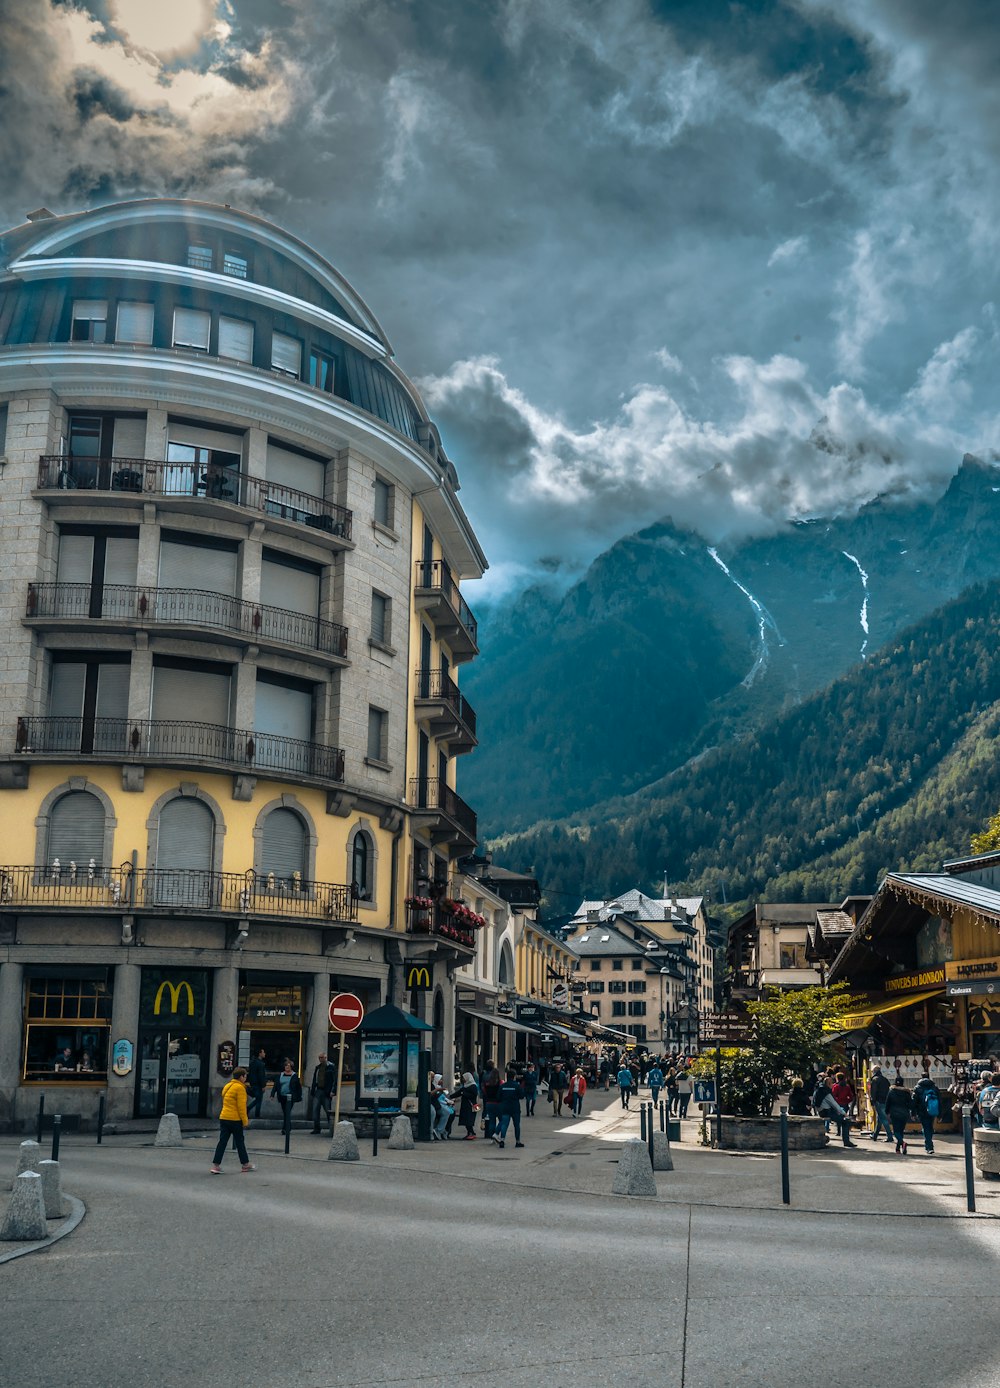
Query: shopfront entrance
[172, 1073]
[272, 1020]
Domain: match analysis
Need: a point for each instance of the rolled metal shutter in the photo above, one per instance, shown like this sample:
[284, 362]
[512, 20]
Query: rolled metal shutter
[184, 853]
[283, 845]
[76, 831]
[296, 471]
[76, 559]
[201, 567]
[235, 339]
[295, 589]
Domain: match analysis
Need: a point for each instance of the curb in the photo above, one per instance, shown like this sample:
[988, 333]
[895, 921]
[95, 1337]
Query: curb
[77, 1209]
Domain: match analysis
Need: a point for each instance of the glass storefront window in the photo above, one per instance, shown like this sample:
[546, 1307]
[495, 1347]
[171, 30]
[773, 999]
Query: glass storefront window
[66, 1028]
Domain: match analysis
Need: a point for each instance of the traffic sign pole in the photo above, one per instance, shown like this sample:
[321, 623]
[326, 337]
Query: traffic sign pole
[340, 1075]
[346, 1014]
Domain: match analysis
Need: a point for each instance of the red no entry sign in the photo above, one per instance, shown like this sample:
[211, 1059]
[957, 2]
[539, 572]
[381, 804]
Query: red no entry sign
[346, 1012]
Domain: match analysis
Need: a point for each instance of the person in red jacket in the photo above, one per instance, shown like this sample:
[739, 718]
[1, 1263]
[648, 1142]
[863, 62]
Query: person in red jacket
[843, 1091]
[577, 1089]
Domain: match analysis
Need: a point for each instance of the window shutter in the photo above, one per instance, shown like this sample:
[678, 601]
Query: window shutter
[129, 439]
[177, 692]
[293, 470]
[135, 323]
[296, 590]
[66, 690]
[283, 844]
[218, 440]
[90, 310]
[76, 559]
[283, 711]
[121, 559]
[184, 853]
[286, 354]
[76, 830]
[191, 328]
[235, 339]
[197, 567]
[380, 605]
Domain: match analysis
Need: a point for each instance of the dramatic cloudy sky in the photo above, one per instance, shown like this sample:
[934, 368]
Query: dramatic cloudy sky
[727, 262]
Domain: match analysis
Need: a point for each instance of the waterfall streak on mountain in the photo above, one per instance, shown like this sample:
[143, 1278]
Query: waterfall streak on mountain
[764, 620]
[864, 605]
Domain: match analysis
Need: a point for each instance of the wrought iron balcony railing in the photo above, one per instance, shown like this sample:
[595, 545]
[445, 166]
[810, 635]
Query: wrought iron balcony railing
[77, 886]
[176, 741]
[185, 607]
[440, 687]
[146, 477]
[433, 793]
[433, 578]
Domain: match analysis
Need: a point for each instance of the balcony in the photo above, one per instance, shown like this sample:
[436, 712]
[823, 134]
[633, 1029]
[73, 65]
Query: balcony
[175, 742]
[144, 477]
[439, 922]
[448, 714]
[73, 887]
[442, 813]
[183, 607]
[436, 593]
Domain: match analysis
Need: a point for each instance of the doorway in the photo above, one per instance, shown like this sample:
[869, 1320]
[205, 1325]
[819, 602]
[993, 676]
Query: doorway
[172, 1074]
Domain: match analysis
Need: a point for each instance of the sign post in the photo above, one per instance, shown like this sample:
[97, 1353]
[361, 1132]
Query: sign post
[346, 1014]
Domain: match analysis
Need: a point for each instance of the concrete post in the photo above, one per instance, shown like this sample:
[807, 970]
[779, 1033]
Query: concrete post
[401, 1134]
[225, 1015]
[29, 1154]
[124, 1024]
[51, 1189]
[344, 1145]
[168, 1132]
[11, 1014]
[25, 1218]
[635, 1174]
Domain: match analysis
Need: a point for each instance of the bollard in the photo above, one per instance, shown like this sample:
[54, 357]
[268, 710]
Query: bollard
[786, 1198]
[51, 1189]
[286, 1126]
[375, 1132]
[101, 1105]
[56, 1133]
[41, 1115]
[25, 1217]
[970, 1177]
[649, 1136]
[642, 1122]
[663, 1117]
[28, 1156]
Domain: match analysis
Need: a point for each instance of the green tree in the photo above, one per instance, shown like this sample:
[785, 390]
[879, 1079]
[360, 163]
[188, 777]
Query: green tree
[989, 839]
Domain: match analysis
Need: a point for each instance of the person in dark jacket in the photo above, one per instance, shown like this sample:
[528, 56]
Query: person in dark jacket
[827, 1108]
[921, 1095]
[257, 1082]
[530, 1089]
[467, 1094]
[287, 1089]
[878, 1092]
[489, 1085]
[324, 1081]
[899, 1107]
[798, 1100]
[510, 1108]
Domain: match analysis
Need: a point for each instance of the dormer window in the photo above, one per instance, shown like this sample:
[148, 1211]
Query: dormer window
[234, 265]
[199, 257]
[90, 321]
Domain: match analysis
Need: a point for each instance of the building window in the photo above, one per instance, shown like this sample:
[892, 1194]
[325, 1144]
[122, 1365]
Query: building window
[283, 850]
[90, 321]
[76, 835]
[595, 965]
[639, 1032]
[199, 257]
[617, 985]
[383, 503]
[135, 324]
[286, 355]
[636, 965]
[637, 1009]
[235, 339]
[362, 856]
[320, 370]
[191, 329]
[618, 1009]
[67, 1022]
[595, 986]
[378, 735]
[618, 965]
[235, 265]
[637, 985]
[793, 956]
[381, 618]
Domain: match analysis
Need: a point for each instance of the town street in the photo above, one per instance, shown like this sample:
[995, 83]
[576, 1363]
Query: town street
[459, 1261]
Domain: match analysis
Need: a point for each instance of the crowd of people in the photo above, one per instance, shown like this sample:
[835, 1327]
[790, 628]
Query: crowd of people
[831, 1095]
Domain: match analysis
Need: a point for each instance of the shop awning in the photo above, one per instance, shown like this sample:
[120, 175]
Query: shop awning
[496, 1020]
[855, 1021]
[560, 1030]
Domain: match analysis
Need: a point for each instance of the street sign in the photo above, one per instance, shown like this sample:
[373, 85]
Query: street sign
[727, 1029]
[560, 996]
[346, 1012]
[704, 1091]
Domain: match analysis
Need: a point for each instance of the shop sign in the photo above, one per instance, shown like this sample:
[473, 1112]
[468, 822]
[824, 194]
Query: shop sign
[969, 969]
[122, 1057]
[504, 1009]
[273, 1006]
[529, 1013]
[909, 983]
[167, 996]
[418, 978]
[560, 995]
[225, 1060]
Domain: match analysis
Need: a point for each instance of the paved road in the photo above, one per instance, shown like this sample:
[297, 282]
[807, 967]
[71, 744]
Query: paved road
[308, 1274]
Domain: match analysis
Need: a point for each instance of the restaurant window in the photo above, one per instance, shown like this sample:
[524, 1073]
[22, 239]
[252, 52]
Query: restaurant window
[67, 1022]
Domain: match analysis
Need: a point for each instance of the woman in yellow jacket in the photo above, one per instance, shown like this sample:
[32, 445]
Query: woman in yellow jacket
[232, 1120]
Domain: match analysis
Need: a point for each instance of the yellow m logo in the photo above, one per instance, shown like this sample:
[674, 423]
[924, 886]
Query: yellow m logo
[418, 977]
[175, 990]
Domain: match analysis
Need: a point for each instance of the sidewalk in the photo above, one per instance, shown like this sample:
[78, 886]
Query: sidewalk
[570, 1154]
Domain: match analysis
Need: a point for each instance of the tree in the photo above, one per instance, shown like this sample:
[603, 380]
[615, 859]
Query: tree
[989, 840]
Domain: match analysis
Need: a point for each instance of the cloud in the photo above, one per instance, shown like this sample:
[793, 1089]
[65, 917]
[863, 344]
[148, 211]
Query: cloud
[788, 250]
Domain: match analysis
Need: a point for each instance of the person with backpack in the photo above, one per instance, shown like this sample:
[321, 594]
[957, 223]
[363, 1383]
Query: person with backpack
[927, 1107]
[826, 1107]
[654, 1079]
[509, 1097]
[625, 1084]
[988, 1095]
[899, 1107]
[878, 1092]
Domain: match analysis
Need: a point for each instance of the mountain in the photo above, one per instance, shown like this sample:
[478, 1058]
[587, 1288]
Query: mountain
[893, 766]
[668, 646]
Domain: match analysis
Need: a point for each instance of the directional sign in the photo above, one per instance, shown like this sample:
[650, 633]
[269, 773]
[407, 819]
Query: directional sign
[346, 1012]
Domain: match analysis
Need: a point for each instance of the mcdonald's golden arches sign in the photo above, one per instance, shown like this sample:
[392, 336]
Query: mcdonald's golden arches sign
[418, 978]
[170, 996]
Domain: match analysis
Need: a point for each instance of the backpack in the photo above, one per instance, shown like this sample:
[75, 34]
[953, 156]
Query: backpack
[932, 1104]
[994, 1103]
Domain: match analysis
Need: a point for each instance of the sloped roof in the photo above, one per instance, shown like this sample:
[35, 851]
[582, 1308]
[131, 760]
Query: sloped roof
[603, 941]
[640, 906]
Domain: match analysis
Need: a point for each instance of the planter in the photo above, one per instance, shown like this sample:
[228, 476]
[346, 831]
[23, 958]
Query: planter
[764, 1134]
[986, 1152]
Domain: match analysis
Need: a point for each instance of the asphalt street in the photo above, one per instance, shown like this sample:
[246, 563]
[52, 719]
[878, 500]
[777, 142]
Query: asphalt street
[424, 1268]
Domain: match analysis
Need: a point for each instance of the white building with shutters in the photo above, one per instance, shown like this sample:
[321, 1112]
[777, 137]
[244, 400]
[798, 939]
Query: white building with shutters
[231, 551]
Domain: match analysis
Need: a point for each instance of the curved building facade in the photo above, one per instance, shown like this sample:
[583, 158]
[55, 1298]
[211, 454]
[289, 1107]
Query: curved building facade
[232, 555]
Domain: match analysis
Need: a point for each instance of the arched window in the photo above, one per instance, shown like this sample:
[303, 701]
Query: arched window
[76, 831]
[505, 972]
[283, 848]
[362, 866]
[185, 852]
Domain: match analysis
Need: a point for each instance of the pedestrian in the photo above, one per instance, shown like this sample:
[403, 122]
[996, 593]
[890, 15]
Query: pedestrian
[625, 1084]
[530, 1081]
[444, 1113]
[604, 1073]
[489, 1086]
[287, 1089]
[926, 1107]
[510, 1108]
[467, 1094]
[878, 1092]
[827, 1107]
[258, 1082]
[671, 1087]
[577, 1089]
[989, 1094]
[655, 1081]
[324, 1082]
[685, 1088]
[233, 1118]
[798, 1100]
[558, 1084]
[899, 1107]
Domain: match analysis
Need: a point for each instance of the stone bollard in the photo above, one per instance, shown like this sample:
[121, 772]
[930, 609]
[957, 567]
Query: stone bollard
[51, 1189]
[25, 1219]
[29, 1154]
[344, 1145]
[986, 1148]
[168, 1134]
[401, 1134]
[635, 1174]
[662, 1158]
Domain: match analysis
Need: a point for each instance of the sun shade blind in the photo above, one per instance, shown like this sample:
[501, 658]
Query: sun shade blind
[235, 339]
[191, 328]
[293, 470]
[286, 354]
[197, 567]
[296, 590]
[283, 846]
[76, 830]
[135, 323]
[182, 694]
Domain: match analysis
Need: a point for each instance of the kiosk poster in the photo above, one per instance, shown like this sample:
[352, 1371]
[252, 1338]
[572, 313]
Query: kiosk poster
[412, 1066]
[379, 1070]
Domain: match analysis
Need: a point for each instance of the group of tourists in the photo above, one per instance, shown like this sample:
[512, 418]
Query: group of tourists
[833, 1098]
